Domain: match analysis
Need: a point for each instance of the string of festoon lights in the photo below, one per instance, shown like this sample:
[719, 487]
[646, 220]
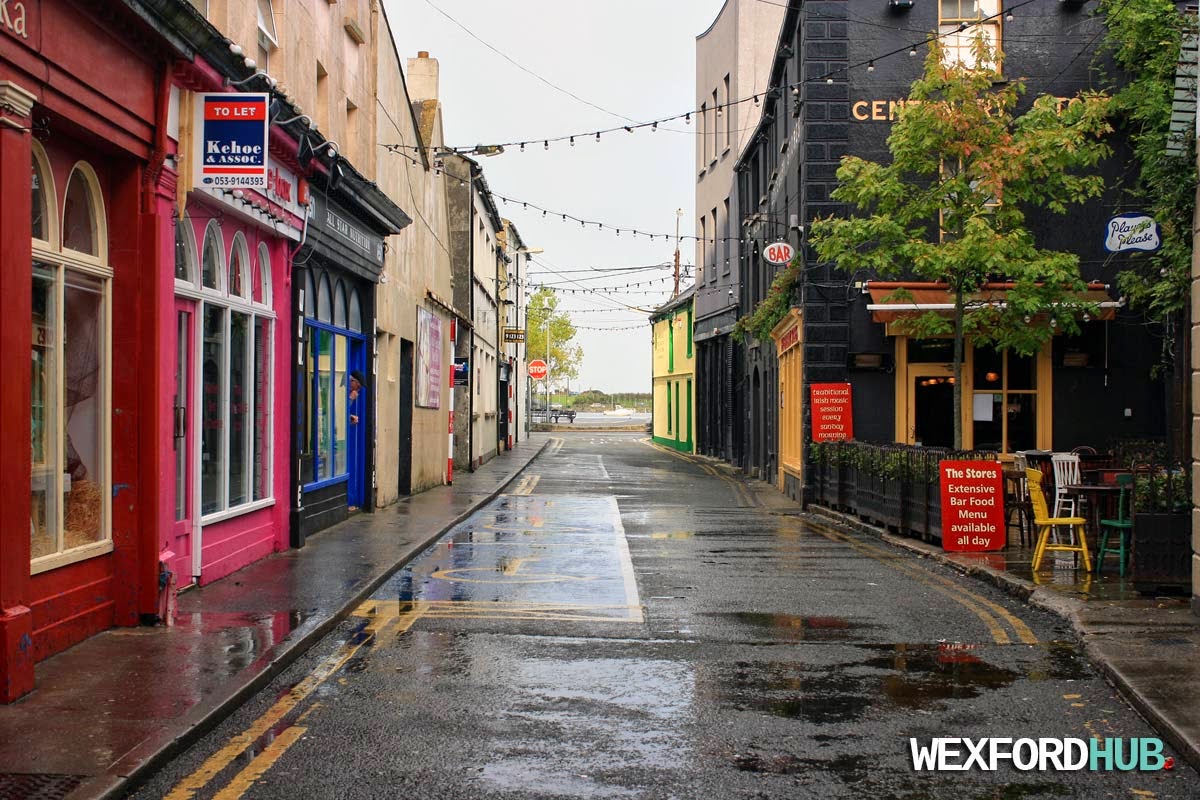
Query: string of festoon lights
[576, 287]
[640, 325]
[686, 117]
[563, 216]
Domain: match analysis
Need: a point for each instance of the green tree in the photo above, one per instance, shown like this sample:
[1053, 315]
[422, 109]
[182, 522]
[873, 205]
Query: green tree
[1144, 37]
[565, 358]
[951, 205]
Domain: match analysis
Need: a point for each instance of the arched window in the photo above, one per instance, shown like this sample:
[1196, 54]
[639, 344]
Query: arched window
[339, 305]
[262, 287]
[43, 198]
[324, 299]
[355, 313]
[310, 294]
[239, 268]
[185, 251]
[83, 213]
[70, 409]
[213, 257]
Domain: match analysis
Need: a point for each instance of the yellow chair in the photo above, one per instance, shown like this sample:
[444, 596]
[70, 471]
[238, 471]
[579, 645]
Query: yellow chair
[1046, 523]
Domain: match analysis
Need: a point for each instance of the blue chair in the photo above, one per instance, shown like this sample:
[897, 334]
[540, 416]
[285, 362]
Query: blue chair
[1122, 525]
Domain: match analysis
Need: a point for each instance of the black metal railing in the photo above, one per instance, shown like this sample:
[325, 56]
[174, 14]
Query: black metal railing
[893, 485]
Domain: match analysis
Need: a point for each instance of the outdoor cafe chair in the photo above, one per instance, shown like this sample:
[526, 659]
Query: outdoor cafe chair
[1066, 473]
[1122, 525]
[1046, 523]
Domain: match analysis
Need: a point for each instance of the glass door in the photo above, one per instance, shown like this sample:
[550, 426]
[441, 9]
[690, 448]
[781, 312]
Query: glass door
[181, 543]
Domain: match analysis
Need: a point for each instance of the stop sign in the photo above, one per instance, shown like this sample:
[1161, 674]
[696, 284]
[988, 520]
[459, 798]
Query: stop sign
[538, 369]
[779, 253]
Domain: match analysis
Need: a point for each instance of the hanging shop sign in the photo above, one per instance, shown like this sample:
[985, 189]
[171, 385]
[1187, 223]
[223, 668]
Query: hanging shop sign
[538, 369]
[832, 412]
[462, 372]
[338, 228]
[1132, 232]
[514, 335]
[231, 140]
[779, 253]
[972, 505]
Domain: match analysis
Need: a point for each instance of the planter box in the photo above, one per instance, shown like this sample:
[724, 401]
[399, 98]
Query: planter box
[912, 518]
[1162, 552]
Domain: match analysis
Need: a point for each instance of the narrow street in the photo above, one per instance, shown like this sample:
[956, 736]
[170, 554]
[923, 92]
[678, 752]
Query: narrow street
[631, 622]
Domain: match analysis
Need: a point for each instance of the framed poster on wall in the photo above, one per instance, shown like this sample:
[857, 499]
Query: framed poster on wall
[429, 359]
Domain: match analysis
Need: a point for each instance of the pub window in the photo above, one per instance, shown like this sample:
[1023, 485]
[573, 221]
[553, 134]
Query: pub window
[958, 43]
[70, 396]
[1004, 411]
[236, 360]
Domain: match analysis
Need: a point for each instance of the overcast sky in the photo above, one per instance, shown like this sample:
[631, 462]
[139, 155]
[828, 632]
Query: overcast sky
[631, 57]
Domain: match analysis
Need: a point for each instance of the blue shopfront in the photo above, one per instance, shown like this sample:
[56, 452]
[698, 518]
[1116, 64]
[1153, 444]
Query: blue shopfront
[334, 403]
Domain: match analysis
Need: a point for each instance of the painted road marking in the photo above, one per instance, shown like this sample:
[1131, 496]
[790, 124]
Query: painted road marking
[261, 763]
[981, 607]
[380, 618]
[527, 485]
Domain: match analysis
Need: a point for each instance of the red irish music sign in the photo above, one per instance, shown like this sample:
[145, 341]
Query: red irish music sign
[832, 412]
[972, 505]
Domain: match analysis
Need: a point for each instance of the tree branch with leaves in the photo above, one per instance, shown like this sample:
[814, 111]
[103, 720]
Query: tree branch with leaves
[564, 358]
[951, 205]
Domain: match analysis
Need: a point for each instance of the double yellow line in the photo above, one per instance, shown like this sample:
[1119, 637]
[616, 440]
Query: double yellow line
[381, 616]
[993, 615]
[744, 494]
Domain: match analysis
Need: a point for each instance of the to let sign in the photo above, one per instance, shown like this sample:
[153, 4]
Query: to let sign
[538, 369]
[832, 412]
[231, 140]
[972, 505]
[779, 253]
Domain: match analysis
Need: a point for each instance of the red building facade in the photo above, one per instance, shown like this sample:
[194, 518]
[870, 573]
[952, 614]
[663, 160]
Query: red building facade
[82, 107]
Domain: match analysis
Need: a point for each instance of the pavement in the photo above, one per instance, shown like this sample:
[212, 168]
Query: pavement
[1147, 647]
[112, 709]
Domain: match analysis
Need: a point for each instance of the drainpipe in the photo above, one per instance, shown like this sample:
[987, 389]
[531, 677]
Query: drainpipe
[471, 365]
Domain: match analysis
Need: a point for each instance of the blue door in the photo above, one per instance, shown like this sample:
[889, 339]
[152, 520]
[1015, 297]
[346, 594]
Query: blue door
[358, 411]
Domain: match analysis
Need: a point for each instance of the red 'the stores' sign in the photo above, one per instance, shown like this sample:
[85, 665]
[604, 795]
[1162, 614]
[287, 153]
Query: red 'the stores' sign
[538, 370]
[972, 505]
[832, 412]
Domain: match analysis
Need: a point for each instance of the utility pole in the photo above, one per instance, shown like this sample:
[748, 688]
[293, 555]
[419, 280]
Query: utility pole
[678, 217]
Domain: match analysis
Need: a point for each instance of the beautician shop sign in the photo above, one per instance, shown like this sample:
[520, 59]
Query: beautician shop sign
[366, 244]
[1132, 232]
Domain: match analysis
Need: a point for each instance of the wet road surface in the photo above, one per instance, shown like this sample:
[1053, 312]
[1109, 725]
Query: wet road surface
[629, 622]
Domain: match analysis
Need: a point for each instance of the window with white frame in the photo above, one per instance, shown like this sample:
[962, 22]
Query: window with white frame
[267, 39]
[70, 398]
[960, 22]
[235, 365]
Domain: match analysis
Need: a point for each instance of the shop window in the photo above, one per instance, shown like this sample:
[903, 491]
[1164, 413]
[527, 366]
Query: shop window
[1004, 411]
[355, 313]
[979, 16]
[236, 359]
[185, 252]
[310, 294]
[339, 305]
[41, 191]
[331, 352]
[70, 405]
[239, 262]
[212, 257]
[324, 301]
[262, 280]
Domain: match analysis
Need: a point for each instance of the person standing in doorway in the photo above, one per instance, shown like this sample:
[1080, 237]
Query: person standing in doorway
[356, 395]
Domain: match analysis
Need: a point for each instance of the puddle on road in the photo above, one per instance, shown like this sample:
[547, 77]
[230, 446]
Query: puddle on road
[795, 628]
[908, 676]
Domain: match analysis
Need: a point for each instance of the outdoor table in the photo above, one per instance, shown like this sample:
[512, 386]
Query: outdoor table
[1096, 494]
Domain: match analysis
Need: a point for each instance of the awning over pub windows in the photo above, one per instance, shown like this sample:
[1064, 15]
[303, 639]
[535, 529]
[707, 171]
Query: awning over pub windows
[919, 297]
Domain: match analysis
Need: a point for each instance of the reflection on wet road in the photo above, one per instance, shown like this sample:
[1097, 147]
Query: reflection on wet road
[627, 622]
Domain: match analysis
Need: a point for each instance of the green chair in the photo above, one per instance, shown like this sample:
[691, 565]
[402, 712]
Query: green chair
[1123, 524]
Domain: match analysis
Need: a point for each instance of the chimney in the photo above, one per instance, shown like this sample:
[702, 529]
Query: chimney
[423, 77]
